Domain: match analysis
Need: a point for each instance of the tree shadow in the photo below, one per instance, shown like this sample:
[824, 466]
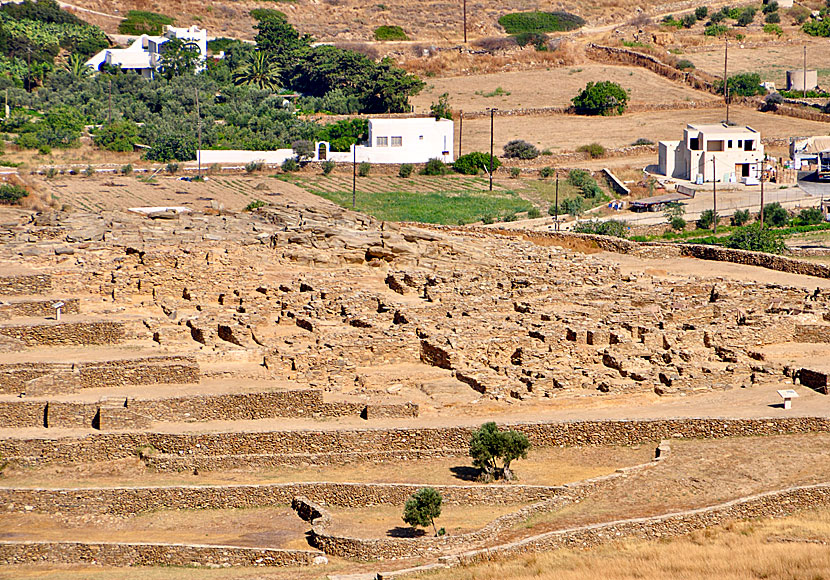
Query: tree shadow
[402, 532]
[466, 473]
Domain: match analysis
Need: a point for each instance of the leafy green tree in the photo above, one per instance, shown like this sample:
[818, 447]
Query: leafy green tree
[303, 149]
[119, 135]
[775, 215]
[178, 58]
[277, 37]
[61, 127]
[390, 88]
[173, 147]
[573, 206]
[490, 444]
[473, 163]
[76, 66]
[746, 17]
[601, 98]
[740, 217]
[743, 85]
[701, 12]
[422, 508]
[756, 239]
[520, 149]
[810, 216]
[258, 70]
[441, 109]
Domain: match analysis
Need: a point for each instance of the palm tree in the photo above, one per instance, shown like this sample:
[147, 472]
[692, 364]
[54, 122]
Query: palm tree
[258, 70]
[76, 66]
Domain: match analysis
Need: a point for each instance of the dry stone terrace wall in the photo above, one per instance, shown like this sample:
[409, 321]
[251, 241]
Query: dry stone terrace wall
[140, 554]
[102, 447]
[41, 308]
[25, 284]
[774, 504]
[134, 500]
[769, 261]
[65, 333]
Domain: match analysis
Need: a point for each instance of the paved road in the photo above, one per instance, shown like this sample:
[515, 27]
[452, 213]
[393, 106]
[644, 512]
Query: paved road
[808, 182]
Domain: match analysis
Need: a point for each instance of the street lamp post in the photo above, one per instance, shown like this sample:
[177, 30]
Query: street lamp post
[492, 116]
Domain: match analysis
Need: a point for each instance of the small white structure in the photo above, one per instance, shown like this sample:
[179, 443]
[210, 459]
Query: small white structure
[409, 140]
[737, 153]
[788, 395]
[146, 52]
[797, 79]
[57, 306]
[806, 151]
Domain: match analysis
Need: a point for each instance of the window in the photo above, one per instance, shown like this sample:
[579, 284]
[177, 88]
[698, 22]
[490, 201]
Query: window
[740, 143]
[749, 145]
[397, 141]
[730, 144]
[420, 137]
[714, 145]
[694, 143]
[382, 142]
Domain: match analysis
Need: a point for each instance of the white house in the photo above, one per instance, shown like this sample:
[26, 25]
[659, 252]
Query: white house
[713, 153]
[411, 140]
[145, 53]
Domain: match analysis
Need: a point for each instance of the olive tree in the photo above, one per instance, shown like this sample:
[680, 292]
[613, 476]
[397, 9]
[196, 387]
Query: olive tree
[490, 444]
[422, 508]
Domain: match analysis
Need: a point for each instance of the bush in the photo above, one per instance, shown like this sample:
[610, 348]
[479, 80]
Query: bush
[701, 12]
[390, 33]
[405, 170]
[573, 206]
[773, 29]
[799, 15]
[740, 217]
[303, 149]
[769, 7]
[365, 167]
[441, 109]
[746, 17]
[422, 508]
[126, 169]
[772, 100]
[684, 64]
[257, 203]
[141, 22]
[689, 20]
[252, 166]
[519, 22]
[602, 98]
[533, 213]
[172, 148]
[773, 18]
[615, 228]
[328, 166]
[809, 216]
[117, 136]
[11, 194]
[288, 166]
[472, 163]
[537, 39]
[546, 172]
[519, 149]
[756, 239]
[595, 150]
[775, 215]
[715, 30]
[706, 219]
[89, 171]
[817, 27]
[172, 168]
[677, 223]
[743, 85]
[642, 141]
[515, 172]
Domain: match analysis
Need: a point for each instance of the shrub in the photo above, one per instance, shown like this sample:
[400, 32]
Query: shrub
[743, 85]
[490, 444]
[405, 170]
[538, 39]
[595, 150]
[573, 206]
[817, 27]
[390, 33]
[126, 169]
[89, 171]
[689, 20]
[740, 217]
[770, 7]
[533, 213]
[11, 194]
[487, 219]
[257, 203]
[141, 22]
[775, 215]
[799, 14]
[495, 43]
[117, 136]
[706, 219]
[441, 109]
[773, 18]
[810, 216]
[252, 166]
[288, 166]
[671, 21]
[365, 167]
[472, 163]
[602, 98]
[677, 223]
[303, 149]
[684, 64]
[172, 168]
[616, 228]
[511, 217]
[422, 508]
[772, 100]
[546, 172]
[642, 141]
[518, 22]
[756, 239]
[327, 166]
[773, 29]
[520, 149]
[747, 16]
[701, 12]
[715, 30]
[515, 172]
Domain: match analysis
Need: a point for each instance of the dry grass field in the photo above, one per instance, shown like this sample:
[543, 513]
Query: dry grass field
[567, 132]
[553, 87]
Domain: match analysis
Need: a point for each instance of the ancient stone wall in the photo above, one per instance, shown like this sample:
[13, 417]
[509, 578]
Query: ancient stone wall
[26, 284]
[38, 308]
[354, 443]
[769, 261]
[65, 333]
[812, 333]
[114, 554]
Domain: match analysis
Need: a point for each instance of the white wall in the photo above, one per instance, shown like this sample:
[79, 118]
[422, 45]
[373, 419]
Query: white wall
[211, 156]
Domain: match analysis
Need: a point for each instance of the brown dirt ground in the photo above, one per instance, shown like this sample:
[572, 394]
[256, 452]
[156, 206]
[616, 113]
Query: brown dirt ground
[554, 87]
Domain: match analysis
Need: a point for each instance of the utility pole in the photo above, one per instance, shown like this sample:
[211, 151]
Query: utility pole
[805, 72]
[725, 84]
[199, 131]
[714, 197]
[354, 176]
[460, 131]
[492, 115]
[556, 203]
[109, 111]
[763, 163]
[465, 21]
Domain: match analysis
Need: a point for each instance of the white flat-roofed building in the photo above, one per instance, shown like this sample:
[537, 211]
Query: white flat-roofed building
[709, 153]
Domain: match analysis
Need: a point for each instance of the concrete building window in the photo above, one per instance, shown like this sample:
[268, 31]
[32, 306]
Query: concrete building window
[714, 146]
[397, 141]
[694, 144]
[730, 144]
[382, 142]
[749, 145]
